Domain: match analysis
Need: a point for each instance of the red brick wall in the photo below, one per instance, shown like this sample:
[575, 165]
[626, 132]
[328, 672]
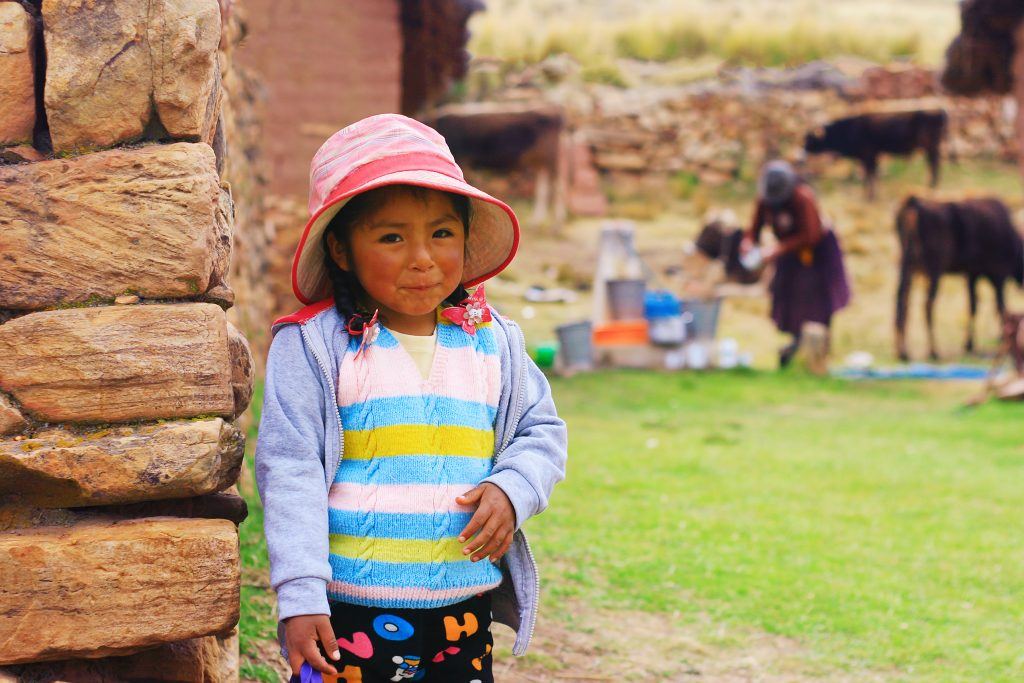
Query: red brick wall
[324, 64]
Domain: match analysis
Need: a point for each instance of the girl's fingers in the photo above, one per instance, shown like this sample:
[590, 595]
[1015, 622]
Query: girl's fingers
[505, 545]
[481, 539]
[488, 541]
[295, 660]
[312, 655]
[471, 497]
[498, 550]
[476, 523]
[330, 643]
[487, 550]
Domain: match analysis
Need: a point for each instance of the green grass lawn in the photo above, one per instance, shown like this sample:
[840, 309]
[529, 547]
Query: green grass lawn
[876, 524]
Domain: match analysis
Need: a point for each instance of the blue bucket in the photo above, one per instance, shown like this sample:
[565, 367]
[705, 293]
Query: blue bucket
[661, 304]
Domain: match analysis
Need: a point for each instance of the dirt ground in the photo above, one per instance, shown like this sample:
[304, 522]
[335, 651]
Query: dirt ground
[616, 645]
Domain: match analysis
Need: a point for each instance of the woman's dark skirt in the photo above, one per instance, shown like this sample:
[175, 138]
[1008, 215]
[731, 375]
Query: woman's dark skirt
[809, 292]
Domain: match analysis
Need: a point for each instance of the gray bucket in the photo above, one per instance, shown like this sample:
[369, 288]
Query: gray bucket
[626, 299]
[576, 345]
[704, 324]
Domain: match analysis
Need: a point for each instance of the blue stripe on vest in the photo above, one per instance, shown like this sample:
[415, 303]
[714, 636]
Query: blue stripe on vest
[407, 526]
[430, 410]
[409, 574]
[413, 469]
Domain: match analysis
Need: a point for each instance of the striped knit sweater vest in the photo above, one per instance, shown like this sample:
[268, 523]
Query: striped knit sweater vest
[411, 447]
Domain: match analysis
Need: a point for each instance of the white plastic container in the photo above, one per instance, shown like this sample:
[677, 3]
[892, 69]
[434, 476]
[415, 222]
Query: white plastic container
[670, 331]
[697, 356]
[728, 353]
[675, 359]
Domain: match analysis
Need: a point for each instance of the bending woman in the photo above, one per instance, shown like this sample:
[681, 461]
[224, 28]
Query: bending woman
[810, 282]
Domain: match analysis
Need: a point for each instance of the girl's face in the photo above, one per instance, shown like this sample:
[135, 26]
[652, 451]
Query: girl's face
[408, 255]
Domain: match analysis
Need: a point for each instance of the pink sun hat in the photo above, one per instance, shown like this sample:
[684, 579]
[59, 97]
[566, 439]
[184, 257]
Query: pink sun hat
[391, 149]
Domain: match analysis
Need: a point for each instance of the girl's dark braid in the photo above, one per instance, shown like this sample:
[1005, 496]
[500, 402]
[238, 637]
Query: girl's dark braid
[345, 285]
[347, 290]
[458, 296]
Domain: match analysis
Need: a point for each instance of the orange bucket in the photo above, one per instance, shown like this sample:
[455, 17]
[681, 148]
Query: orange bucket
[622, 333]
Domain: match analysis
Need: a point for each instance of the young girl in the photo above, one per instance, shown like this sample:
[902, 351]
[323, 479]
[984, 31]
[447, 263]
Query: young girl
[405, 435]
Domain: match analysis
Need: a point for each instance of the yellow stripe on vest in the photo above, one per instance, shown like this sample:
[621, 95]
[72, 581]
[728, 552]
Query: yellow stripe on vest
[418, 440]
[397, 549]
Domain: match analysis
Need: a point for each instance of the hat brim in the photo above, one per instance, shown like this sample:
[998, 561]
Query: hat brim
[492, 244]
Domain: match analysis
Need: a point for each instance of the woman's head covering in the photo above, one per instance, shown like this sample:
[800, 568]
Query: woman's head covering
[777, 182]
[390, 149]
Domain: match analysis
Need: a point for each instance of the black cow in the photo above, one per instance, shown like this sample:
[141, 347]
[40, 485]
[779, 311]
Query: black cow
[867, 136]
[975, 237]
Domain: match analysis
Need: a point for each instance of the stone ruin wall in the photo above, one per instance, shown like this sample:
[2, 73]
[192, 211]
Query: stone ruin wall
[718, 134]
[646, 140]
[122, 368]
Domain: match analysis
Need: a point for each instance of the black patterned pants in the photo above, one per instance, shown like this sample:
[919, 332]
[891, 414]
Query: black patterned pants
[444, 645]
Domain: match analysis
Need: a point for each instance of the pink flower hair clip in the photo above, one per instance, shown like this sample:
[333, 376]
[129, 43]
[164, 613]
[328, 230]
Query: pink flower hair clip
[369, 330]
[471, 312]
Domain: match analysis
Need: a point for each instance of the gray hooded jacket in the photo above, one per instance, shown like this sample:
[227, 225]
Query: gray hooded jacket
[301, 442]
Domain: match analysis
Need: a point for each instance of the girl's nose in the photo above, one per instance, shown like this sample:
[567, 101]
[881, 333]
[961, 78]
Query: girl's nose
[421, 258]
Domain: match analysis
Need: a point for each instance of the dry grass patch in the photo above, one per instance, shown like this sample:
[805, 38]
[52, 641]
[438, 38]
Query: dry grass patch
[765, 32]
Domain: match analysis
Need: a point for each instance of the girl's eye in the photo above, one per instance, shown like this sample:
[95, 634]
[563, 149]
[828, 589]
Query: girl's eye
[444, 232]
[391, 238]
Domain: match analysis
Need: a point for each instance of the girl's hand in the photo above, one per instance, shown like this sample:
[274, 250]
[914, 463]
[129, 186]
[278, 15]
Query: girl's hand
[301, 635]
[493, 522]
[746, 244]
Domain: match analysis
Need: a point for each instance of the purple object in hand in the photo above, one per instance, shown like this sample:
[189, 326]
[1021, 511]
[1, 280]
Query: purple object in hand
[307, 674]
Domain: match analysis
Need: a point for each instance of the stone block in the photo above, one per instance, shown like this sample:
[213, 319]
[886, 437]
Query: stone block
[121, 70]
[17, 69]
[98, 589]
[213, 659]
[149, 220]
[120, 363]
[59, 467]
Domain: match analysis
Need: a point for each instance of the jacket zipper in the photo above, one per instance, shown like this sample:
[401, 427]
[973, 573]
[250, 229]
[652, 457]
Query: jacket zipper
[518, 411]
[517, 414]
[334, 399]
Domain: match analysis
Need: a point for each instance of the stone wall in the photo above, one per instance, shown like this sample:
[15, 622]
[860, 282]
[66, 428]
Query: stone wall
[243, 168]
[716, 132]
[121, 373]
[718, 135]
[649, 137]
